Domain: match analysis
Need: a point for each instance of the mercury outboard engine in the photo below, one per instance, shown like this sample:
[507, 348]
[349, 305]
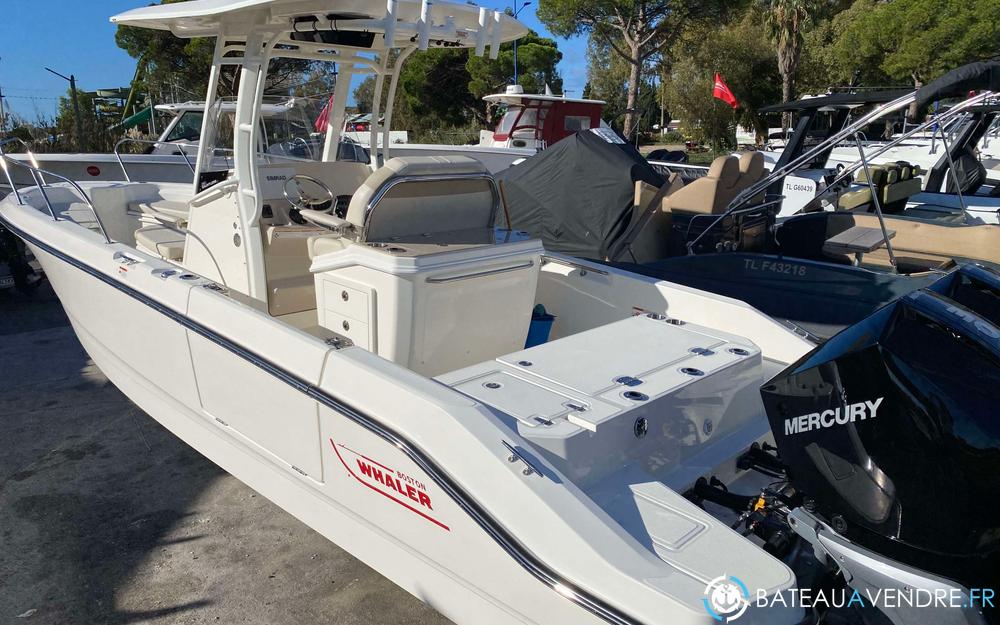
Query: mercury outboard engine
[890, 433]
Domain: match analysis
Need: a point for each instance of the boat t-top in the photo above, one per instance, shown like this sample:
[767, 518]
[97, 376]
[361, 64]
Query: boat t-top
[361, 344]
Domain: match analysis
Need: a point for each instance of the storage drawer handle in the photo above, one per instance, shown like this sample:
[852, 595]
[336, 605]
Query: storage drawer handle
[480, 274]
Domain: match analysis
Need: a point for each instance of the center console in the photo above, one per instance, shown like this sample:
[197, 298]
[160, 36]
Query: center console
[431, 304]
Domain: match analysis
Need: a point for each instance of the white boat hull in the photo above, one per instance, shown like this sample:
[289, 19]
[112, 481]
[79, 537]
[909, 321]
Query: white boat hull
[465, 582]
[424, 492]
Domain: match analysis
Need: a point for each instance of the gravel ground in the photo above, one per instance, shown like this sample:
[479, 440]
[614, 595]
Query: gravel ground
[106, 517]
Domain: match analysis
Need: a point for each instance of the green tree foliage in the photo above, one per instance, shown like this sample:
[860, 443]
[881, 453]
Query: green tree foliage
[179, 68]
[607, 78]
[635, 30]
[537, 58]
[747, 63]
[786, 21]
[915, 40]
[174, 64]
[441, 89]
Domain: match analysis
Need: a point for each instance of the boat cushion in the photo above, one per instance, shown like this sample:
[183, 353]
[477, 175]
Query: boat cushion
[290, 286]
[932, 243]
[423, 206]
[167, 211]
[325, 244]
[711, 193]
[165, 241]
[853, 199]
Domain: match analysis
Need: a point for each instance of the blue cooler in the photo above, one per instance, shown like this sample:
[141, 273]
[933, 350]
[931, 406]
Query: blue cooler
[541, 326]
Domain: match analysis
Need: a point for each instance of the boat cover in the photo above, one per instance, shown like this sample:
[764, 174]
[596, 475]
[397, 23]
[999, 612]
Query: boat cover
[960, 81]
[576, 196]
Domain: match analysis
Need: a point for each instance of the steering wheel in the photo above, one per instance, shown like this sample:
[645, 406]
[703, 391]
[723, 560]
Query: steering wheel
[300, 200]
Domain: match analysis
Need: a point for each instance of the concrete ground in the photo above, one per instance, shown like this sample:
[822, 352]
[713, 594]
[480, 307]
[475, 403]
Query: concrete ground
[105, 517]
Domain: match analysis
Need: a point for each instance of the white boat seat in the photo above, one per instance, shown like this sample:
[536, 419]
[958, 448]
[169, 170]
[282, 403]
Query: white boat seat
[423, 195]
[167, 211]
[164, 241]
[290, 286]
[325, 244]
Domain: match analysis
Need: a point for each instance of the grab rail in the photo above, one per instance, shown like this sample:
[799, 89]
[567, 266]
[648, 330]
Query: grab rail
[27, 151]
[38, 175]
[482, 274]
[121, 162]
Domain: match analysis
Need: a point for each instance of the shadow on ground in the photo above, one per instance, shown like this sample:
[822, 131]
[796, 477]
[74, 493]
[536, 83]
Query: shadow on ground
[105, 517]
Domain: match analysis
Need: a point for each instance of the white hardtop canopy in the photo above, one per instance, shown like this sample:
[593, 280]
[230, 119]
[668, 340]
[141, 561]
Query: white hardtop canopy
[515, 95]
[355, 34]
[451, 24]
[176, 108]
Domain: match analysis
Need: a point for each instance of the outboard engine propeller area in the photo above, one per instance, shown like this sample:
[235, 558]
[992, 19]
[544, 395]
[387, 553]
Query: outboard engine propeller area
[890, 433]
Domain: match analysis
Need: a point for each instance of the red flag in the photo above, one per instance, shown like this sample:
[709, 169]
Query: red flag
[324, 117]
[722, 92]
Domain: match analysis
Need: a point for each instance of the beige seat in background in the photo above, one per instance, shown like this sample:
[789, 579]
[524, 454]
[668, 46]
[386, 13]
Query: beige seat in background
[711, 194]
[894, 183]
[926, 244]
[647, 236]
[752, 171]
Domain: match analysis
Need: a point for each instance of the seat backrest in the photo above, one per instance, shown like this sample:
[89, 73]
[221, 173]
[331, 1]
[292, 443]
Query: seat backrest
[751, 172]
[751, 168]
[423, 195]
[709, 194]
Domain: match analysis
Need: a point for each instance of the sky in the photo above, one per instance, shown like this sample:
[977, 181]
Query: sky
[75, 37]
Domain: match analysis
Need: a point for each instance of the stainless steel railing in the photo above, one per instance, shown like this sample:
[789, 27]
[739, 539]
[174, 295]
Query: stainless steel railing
[121, 162]
[38, 176]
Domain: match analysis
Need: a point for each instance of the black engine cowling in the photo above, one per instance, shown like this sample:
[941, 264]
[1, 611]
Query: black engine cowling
[891, 428]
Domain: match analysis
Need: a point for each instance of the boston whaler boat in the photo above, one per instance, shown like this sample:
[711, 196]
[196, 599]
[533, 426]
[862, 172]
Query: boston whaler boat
[369, 371]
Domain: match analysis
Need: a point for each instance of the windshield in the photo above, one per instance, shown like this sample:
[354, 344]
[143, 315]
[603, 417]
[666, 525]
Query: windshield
[187, 127]
[289, 130]
[525, 118]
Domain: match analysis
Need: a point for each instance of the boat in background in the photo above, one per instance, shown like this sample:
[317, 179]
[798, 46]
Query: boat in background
[530, 122]
[170, 157]
[536, 121]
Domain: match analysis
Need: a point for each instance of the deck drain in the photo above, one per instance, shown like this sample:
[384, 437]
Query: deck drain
[692, 371]
[641, 427]
[635, 396]
[524, 363]
[627, 380]
[493, 385]
[701, 351]
[739, 351]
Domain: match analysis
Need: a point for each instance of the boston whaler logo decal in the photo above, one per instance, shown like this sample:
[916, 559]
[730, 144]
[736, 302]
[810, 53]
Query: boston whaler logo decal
[404, 489]
[841, 415]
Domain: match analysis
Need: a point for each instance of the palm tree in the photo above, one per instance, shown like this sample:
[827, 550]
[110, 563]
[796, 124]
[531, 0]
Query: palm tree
[785, 20]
